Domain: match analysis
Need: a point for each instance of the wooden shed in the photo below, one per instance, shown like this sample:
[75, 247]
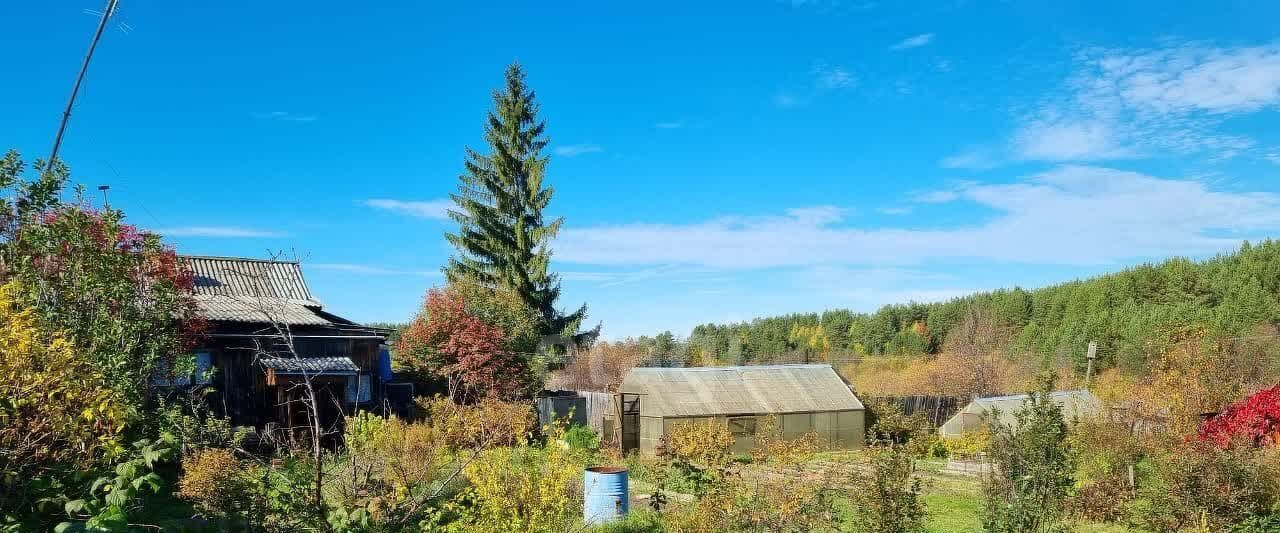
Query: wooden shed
[804, 398]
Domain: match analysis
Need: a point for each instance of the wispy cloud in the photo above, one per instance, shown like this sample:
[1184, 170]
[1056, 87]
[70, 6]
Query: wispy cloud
[432, 209]
[915, 41]
[785, 100]
[670, 125]
[1124, 103]
[1038, 220]
[285, 116]
[571, 150]
[976, 158]
[952, 192]
[228, 232]
[1071, 140]
[356, 268]
[895, 211]
[830, 77]
[668, 273]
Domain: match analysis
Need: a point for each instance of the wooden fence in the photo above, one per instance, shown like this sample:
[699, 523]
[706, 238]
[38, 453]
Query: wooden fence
[938, 409]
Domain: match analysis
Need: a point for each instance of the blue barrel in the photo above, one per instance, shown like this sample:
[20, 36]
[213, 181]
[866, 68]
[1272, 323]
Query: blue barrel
[604, 494]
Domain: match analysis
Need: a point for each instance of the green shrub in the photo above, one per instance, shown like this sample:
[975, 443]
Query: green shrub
[1196, 482]
[887, 499]
[582, 439]
[1032, 468]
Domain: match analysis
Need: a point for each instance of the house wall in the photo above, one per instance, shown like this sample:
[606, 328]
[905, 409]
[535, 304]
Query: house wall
[241, 391]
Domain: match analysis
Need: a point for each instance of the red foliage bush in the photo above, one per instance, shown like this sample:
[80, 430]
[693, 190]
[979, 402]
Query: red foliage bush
[453, 343]
[1256, 418]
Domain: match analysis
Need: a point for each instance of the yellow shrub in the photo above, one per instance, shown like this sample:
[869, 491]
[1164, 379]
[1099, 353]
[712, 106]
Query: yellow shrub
[772, 447]
[770, 503]
[971, 443]
[524, 488]
[488, 423]
[704, 443]
[390, 463]
[54, 405]
[216, 482]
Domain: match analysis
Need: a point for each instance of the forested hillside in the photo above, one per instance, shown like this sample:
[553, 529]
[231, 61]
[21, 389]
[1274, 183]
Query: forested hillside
[1131, 314]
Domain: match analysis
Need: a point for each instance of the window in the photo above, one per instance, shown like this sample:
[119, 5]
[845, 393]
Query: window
[204, 368]
[359, 389]
[203, 373]
[742, 426]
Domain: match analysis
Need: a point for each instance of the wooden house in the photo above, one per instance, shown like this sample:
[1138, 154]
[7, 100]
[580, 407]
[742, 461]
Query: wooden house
[268, 335]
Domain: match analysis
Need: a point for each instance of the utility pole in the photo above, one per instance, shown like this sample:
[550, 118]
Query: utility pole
[1091, 356]
[75, 89]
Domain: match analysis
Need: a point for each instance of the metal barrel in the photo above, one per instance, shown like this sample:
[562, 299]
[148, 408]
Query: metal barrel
[604, 494]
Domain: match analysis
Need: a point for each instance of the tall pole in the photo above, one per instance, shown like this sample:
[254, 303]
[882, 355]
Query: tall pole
[75, 90]
[1091, 356]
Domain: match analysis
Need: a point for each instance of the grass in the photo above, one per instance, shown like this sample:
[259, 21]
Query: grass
[953, 513]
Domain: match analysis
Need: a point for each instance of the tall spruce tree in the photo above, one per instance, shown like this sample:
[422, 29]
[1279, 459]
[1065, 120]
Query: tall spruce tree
[502, 237]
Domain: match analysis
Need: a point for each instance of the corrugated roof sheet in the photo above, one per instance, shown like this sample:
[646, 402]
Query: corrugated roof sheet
[233, 289]
[258, 310]
[710, 391]
[234, 276]
[319, 365]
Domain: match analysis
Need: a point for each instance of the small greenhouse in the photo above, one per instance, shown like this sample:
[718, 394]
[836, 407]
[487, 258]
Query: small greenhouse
[1075, 404]
[804, 398]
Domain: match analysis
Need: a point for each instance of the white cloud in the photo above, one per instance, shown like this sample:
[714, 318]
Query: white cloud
[218, 232]
[432, 209]
[1134, 103]
[913, 42]
[670, 125]
[571, 150]
[1191, 78]
[669, 273]
[1069, 215]
[954, 191]
[895, 211]
[1070, 141]
[285, 116]
[355, 268]
[971, 159]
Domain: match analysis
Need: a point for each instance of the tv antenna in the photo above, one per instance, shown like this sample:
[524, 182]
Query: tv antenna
[75, 89]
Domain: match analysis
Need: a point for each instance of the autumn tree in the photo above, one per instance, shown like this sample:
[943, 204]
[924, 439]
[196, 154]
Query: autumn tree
[479, 340]
[603, 367]
[503, 238]
[976, 343]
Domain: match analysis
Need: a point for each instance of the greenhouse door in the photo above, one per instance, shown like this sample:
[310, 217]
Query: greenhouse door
[630, 422]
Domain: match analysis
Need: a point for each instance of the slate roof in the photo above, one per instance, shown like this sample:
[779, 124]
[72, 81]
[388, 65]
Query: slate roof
[237, 276]
[231, 289]
[713, 391]
[312, 365]
[248, 309]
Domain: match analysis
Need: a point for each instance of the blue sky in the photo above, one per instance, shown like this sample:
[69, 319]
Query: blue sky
[713, 160]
